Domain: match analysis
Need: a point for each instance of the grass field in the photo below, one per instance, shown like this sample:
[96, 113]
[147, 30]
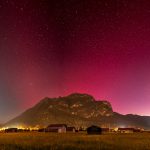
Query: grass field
[74, 141]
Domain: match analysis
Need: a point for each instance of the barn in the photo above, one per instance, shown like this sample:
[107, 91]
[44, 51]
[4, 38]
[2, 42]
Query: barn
[11, 130]
[60, 128]
[94, 130]
[41, 130]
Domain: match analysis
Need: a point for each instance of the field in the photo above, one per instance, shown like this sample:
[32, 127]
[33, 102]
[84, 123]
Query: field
[74, 141]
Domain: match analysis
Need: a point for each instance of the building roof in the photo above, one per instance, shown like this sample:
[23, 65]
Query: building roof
[93, 126]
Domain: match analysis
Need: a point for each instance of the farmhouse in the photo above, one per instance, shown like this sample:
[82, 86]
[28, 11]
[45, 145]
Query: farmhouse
[126, 130]
[94, 130]
[60, 128]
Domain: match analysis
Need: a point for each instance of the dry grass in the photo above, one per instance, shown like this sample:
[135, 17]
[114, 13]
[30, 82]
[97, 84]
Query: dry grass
[74, 141]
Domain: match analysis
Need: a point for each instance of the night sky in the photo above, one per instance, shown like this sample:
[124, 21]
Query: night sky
[51, 48]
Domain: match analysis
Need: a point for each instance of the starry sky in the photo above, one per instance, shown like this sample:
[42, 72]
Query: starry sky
[51, 48]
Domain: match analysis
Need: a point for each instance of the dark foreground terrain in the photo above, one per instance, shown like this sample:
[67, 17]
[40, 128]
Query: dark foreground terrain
[74, 141]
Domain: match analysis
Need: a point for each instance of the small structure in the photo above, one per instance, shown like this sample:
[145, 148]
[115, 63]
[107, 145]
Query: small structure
[12, 130]
[137, 130]
[112, 130]
[105, 130]
[94, 130]
[60, 128]
[71, 129]
[41, 130]
[126, 130]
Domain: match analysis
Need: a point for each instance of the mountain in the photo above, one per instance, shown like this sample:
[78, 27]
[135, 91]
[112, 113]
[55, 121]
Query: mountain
[80, 110]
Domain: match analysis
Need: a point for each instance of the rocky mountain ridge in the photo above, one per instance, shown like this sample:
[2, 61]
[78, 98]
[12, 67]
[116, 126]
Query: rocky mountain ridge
[76, 110]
